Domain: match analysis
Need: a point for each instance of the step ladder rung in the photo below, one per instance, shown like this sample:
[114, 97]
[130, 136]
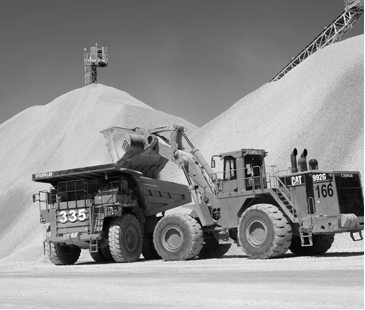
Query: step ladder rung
[93, 245]
[306, 235]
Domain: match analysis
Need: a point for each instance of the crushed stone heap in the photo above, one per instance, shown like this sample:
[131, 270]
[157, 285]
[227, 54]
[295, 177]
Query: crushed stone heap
[63, 134]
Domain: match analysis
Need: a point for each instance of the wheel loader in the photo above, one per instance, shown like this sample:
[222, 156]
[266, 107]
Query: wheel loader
[118, 210]
[263, 210]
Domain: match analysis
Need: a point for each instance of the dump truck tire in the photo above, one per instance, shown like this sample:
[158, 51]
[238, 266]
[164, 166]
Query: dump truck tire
[178, 237]
[212, 249]
[321, 244]
[105, 250]
[148, 250]
[107, 255]
[264, 232]
[97, 256]
[62, 255]
[125, 238]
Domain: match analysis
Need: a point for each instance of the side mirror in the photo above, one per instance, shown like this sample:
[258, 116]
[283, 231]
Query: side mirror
[212, 164]
[34, 198]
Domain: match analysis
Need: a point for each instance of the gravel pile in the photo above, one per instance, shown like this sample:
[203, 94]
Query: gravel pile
[60, 135]
[318, 106]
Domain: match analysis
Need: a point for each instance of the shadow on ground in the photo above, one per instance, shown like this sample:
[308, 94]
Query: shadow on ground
[285, 256]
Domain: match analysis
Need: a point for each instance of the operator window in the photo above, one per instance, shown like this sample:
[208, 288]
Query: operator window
[230, 171]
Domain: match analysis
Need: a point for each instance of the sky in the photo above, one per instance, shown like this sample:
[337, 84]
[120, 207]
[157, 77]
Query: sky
[189, 58]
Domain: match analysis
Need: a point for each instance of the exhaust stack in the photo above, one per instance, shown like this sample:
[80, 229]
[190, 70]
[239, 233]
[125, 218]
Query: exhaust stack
[302, 161]
[293, 158]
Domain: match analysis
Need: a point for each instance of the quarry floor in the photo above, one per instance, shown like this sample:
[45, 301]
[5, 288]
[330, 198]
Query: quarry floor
[334, 280]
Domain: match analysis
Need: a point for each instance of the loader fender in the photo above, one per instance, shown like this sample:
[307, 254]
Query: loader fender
[200, 211]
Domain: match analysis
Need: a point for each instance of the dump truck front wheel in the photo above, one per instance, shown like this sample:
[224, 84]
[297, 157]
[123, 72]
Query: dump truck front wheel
[107, 255]
[125, 238]
[60, 254]
[264, 232]
[178, 237]
[321, 244]
[97, 256]
[104, 249]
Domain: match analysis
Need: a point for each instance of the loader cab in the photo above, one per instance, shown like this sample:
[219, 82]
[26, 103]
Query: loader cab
[243, 170]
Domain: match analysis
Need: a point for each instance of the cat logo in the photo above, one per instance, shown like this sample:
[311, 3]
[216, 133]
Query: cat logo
[296, 180]
[346, 175]
[43, 175]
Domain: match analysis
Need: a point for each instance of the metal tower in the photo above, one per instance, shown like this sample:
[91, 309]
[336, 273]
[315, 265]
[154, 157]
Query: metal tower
[335, 32]
[98, 57]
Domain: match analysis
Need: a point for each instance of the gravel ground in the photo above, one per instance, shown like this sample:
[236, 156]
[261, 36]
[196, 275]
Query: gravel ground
[333, 281]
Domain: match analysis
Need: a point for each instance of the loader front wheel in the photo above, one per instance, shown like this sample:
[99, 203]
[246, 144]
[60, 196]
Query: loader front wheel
[321, 244]
[264, 232]
[60, 254]
[125, 238]
[178, 237]
[211, 247]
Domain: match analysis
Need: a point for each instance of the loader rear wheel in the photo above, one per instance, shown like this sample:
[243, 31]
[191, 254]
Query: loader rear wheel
[148, 250]
[211, 247]
[60, 254]
[97, 256]
[321, 244]
[125, 238]
[264, 232]
[178, 237]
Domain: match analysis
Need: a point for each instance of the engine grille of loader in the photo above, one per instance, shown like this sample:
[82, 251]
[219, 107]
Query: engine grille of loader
[350, 195]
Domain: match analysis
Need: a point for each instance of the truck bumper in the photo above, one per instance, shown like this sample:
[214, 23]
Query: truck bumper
[351, 222]
[79, 239]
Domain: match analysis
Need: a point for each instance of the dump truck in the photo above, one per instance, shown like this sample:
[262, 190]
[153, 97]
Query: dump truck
[110, 210]
[119, 210]
[263, 210]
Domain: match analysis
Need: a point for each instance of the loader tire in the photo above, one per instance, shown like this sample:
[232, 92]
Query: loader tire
[321, 244]
[212, 249]
[125, 238]
[60, 254]
[148, 250]
[264, 232]
[97, 256]
[178, 237]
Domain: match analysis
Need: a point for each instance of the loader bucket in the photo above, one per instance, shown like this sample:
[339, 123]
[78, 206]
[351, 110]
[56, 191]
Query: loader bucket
[136, 149]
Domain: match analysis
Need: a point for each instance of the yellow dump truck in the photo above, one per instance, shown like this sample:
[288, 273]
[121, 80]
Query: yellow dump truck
[111, 211]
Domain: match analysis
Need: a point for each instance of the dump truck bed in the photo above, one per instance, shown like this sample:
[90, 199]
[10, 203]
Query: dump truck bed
[157, 196]
[53, 177]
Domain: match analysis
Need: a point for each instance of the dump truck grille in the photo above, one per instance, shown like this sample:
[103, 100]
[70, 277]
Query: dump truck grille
[72, 220]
